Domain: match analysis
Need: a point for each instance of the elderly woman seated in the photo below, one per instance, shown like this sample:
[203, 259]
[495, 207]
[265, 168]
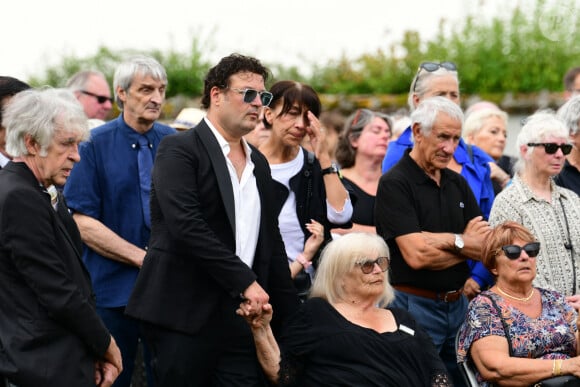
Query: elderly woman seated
[514, 333]
[343, 335]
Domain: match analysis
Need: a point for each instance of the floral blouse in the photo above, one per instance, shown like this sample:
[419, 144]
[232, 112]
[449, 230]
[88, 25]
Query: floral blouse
[556, 224]
[550, 336]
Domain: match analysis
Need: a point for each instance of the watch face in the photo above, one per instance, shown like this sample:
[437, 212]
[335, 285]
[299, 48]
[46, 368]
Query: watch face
[458, 241]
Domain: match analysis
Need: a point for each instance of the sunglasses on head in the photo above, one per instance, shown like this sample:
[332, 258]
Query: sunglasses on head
[250, 94]
[552, 147]
[514, 251]
[100, 98]
[433, 66]
[367, 266]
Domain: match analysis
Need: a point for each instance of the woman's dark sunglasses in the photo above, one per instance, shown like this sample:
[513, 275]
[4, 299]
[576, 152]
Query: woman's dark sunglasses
[251, 94]
[552, 147]
[433, 66]
[514, 251]
[368, 265]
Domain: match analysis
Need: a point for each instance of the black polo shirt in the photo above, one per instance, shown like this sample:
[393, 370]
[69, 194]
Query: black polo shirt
[408, 201]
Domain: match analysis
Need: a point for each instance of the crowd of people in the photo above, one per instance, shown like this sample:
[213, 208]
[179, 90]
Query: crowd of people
[260, 240]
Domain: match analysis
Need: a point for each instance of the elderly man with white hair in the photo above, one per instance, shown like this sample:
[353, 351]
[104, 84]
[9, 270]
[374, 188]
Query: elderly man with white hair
[432, 223]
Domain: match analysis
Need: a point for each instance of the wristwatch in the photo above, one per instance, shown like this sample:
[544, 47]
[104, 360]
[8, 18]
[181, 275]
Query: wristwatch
[332, 169]
[459, 243]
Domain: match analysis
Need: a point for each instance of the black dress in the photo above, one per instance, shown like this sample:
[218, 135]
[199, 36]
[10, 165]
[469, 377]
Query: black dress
[363, 208]
[320, 347]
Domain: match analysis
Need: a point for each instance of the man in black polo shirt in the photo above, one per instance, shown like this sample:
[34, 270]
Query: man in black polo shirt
[432, 223]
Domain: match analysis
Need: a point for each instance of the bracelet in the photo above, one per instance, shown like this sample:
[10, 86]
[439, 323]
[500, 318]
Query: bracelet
[557, 367]
[303, 261]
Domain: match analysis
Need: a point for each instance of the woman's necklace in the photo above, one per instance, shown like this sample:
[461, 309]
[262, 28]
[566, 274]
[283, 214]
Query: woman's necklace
[522, 299]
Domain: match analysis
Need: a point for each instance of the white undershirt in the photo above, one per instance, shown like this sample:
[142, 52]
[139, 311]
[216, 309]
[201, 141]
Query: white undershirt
[246, 201]
[290, 229]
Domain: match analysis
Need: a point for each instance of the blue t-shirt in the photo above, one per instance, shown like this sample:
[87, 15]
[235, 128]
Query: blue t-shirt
[478, 176]
[105, 185]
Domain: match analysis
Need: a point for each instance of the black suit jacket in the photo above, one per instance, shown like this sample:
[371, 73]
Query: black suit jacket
[50, 333]
[191, 267]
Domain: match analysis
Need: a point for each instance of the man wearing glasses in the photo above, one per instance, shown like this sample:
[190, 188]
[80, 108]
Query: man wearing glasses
[108, 194]
[92, 90]
[215, 240]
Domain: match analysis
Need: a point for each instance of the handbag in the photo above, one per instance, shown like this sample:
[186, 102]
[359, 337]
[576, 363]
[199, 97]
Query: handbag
[554, 381]
[559, 381]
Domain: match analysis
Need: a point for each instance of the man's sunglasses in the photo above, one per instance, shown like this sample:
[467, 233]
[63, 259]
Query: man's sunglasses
[251, 94]
[433, 66]
[552, 147]
[368, 265]
[514, 251]
[100, 98]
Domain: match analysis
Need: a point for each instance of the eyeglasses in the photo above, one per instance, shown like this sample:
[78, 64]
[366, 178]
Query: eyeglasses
[552, 147]
[431, 67]
[100, 98]
[514, 251]
[251, 94]
[368, 265]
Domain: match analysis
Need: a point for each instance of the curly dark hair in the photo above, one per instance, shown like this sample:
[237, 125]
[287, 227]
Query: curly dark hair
[220, 74]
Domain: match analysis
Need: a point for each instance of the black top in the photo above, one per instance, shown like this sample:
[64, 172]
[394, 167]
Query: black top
[569, 178]
[320, 347]
[506, 163]
[364, 208]
[408, 201]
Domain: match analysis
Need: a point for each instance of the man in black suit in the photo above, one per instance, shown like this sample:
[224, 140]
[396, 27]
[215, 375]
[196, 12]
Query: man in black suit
[214, 240]
[50, 333]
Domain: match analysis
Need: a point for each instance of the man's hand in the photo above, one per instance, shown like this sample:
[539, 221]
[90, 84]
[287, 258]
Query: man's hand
[105, 374]
[255, 297]
[471, 288]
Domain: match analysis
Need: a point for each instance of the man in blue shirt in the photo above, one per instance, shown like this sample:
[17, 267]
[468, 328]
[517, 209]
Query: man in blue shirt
[108, 202]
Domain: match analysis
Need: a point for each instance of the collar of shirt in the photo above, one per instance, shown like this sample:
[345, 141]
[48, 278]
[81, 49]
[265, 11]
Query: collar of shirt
[3, 160]
[224, 145]
[528, 194]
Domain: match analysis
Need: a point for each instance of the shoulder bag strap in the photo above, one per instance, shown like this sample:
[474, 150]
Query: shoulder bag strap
[503, 323]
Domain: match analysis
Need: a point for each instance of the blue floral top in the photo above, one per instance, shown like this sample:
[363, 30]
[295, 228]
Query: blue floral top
[550, 336]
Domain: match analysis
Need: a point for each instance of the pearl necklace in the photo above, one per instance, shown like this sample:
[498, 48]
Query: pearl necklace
[522, 299]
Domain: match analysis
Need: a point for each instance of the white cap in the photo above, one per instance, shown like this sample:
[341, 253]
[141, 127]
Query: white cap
[187, 118]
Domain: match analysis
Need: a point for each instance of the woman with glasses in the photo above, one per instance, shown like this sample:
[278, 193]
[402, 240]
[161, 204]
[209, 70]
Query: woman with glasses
[360, 152]
[516, 332]
[343, 335]
[309, 192]
[552, 213]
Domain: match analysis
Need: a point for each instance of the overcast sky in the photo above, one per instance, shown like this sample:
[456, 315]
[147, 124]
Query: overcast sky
[36, 33]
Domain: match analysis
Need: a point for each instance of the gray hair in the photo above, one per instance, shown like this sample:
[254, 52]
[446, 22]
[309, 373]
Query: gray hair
[537, 128]
[570, 114]
[354, 125]
[422, 81]
[475, 120]
[78, 81]
[39, 113]
[339, 257]
[126, 71]
[428, 109]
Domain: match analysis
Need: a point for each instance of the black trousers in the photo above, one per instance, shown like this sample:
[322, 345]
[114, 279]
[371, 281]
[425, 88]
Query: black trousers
[220, 354]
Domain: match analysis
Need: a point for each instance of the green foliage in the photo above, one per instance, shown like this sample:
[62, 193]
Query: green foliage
[524, 50]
